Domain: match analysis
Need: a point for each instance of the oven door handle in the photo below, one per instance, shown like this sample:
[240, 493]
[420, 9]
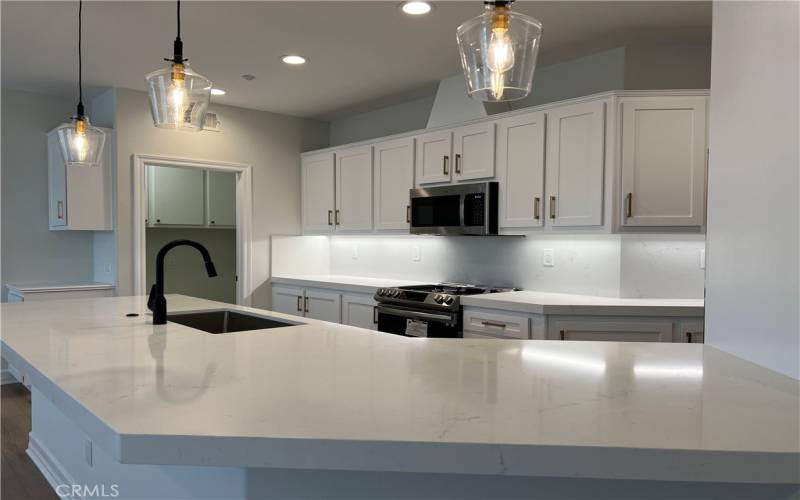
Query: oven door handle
[415, 314]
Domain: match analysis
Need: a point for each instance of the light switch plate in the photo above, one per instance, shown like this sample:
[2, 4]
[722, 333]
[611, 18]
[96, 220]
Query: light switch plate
[415, 255]
[354, 251]
[702, 259]
[548, 257]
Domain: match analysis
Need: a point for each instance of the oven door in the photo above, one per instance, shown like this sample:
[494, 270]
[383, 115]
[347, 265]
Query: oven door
[410, 322]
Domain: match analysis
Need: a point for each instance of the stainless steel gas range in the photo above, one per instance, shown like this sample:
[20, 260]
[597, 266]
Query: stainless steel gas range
[425, 310]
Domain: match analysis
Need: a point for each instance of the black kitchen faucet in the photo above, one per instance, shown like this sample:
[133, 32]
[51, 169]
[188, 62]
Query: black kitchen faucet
[157, 302]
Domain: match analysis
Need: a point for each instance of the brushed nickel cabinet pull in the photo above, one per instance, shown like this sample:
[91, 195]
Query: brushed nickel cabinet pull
[375, 314]
[337, 217]
[689, 337]
[561, 333]
[536, 203]
[330, 214]
[629, 205]
[408, 214]
[299, 307]
[552, 207]
[458, 164]
[60, 209]
[492, 323]
[305, 304]
[445, 161]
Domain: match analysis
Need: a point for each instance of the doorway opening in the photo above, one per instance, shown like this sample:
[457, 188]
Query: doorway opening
[205, 201]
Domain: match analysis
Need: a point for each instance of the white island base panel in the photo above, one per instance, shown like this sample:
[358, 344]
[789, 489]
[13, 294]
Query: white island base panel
[68, 459]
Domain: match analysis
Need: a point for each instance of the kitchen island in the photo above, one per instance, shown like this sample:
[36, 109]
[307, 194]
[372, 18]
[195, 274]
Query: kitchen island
[322, 409]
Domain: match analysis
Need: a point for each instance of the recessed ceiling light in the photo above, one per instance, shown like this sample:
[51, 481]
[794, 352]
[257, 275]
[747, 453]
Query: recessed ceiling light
[249, 78]
[293, 59]
[217, 92]
[416, 8]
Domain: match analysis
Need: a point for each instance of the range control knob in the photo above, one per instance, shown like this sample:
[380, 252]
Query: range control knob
[379, 292]
[438, 298]
[449, 300]
[395, 293]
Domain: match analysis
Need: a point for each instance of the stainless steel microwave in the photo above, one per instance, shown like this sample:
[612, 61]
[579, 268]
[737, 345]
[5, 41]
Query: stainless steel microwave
[457, 209]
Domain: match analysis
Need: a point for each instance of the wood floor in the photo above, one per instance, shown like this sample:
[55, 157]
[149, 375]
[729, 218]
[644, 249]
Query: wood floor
[19, 477]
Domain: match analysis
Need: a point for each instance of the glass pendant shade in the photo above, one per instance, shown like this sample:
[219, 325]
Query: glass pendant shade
[81, 143]
[179, 97]
[498, 53]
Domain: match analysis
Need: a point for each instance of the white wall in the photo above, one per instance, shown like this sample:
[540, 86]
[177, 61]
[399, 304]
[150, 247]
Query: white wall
[30, 251]
[753, 289]
[664, 266]
[271, 143]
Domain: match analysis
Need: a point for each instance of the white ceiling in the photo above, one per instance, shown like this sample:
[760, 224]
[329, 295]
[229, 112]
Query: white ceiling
[359, 52]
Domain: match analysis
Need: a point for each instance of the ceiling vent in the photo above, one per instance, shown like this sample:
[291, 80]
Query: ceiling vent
[212, 123]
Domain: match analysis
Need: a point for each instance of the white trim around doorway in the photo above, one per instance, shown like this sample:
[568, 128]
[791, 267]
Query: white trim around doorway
[244, 217]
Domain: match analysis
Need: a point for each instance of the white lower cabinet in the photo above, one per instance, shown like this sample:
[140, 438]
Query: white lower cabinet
[323, 305]
[613, 329]
[692, 332]
[496, 324]
[359, 310]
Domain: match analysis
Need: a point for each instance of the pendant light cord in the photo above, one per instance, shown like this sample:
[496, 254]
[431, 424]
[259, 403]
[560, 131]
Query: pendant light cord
[179, 19]
[177, 57]
[80, 58]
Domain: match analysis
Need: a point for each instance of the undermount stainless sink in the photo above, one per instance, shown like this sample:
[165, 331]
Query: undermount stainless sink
[226, 321]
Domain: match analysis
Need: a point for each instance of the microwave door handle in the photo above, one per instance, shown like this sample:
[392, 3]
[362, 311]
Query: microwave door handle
[462, 201]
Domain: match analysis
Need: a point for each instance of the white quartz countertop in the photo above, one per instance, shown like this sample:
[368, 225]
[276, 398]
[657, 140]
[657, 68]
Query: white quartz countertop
[529, 301]
[329, 396]
[341, 282]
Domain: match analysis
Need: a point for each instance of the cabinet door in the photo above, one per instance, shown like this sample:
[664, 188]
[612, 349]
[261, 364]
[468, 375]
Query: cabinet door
[609, 329]
[359, 310]
[433, 157]
[394, 177]
[178, 196]
[354, 189]
[287, 300]
[323, 305]
[318, 191]
[57, 182]
[520, 161]
[574, 164]
[473, 151]
[221, 198]
[663, 161]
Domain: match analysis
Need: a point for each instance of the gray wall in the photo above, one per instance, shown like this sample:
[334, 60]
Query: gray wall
[183, 268]
[753, 276]
[271, 143]
[30, 251]
[381, 122]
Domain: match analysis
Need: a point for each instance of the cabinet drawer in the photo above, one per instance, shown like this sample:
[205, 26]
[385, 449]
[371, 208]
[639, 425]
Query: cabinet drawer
[497, 323]
[609, 329]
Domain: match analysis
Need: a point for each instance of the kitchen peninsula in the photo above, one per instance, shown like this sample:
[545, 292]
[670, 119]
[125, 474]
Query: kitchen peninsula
[170, 411]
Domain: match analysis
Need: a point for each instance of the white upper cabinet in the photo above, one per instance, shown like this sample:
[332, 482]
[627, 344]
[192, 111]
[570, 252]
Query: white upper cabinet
[221, 198]
[473, 152]
[434, 150]
[318, 193]
[354, 189]
[663, 161]
[80, 196]
[177, 196]
[575, 159]
[520, 163]
[394, 177]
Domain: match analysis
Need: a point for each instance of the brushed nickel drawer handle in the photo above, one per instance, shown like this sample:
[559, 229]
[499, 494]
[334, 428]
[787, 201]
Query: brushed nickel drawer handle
[629, 205]
[337, 217]
[562, 334]
[458, 164]
[330, 214]
[299, 307]
[305, 304]
[445, 161]
[536, 207]
[493, 323]
[408, 214]
[552, 207]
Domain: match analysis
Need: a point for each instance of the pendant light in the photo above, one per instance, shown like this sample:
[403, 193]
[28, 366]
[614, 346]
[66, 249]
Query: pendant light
[178, 96]
[498, 52]
[81, 143]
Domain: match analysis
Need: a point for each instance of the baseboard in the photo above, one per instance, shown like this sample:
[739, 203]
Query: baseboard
[49, 466]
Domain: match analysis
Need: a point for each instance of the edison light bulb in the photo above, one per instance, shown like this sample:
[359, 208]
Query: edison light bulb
[177, 93]
[80, 146]
[497, 81]
[500, 56]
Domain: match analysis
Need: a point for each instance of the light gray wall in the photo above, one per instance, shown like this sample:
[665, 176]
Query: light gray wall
[753, 233]
[668, 66]
[381, 122]
[271, 143]
[184, 271]
[30, 251]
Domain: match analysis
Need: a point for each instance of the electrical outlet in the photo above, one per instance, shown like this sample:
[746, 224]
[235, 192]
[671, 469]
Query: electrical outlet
[548, 257]
[107, 267]
[415, 255]
[354, 252]
[702, 259]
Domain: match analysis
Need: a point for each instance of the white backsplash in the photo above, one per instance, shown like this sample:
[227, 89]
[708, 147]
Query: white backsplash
[606, 265]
